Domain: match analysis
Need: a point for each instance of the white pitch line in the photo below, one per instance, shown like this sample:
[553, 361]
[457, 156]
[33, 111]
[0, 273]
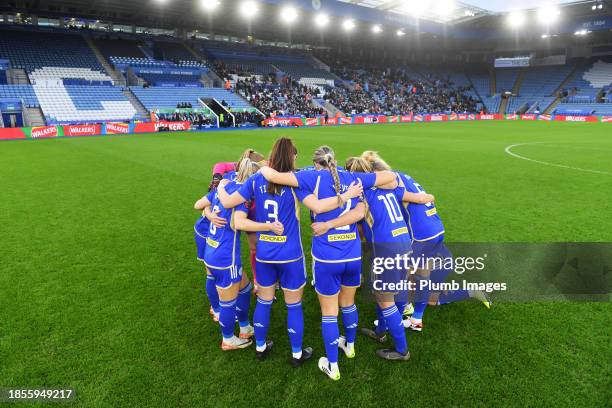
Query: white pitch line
[563, 166]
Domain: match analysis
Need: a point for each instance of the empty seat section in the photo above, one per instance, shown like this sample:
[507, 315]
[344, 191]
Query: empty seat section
[34, 50]
[160, 98]
[74, 104]
[25, 92]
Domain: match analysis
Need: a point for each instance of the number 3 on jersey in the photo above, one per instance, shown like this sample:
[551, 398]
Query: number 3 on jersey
[272, 207]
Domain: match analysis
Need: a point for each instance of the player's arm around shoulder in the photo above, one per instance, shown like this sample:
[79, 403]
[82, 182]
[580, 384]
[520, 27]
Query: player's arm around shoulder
[242, 223]
[273, 176]
[353, 216]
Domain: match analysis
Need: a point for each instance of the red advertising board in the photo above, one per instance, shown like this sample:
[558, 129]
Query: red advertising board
[345, 120]
[11, 134]
[606, 119]
[436, 118]
[529, 116]
[145, 127]
[545, 117]
[571, 118]
[42, 132]
[490, 116]
[312, 121]
[406, 118]
[512, 116]
[174, 126]
[82, 130]
[393, 119]
[332, 121]
[117, 128]
[418, 118]
[283, 122]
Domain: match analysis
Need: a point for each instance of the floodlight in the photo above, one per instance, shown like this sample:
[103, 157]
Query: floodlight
[210, 5]
[376, 29]
[248, 8]
[516, 19]
[321, 20]
[348, 25]
[288, 14]
[548, 15]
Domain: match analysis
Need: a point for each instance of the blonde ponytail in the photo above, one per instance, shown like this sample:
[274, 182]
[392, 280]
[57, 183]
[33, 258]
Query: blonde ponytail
[325, 157]
[377, 163]
[245, 169]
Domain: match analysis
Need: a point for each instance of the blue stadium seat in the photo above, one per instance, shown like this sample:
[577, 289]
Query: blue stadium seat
[78, 104]
[25, 92]
[30, 50]
[160, 97]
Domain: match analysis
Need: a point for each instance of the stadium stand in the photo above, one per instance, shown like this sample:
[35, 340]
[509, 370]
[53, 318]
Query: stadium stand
[505, 78]
[25, 92]
[172, 51]
[584, 109]
[80, 104]
[69, 76]
[137, 62]
[300, 70]
[62, 68]
[538, 86]
[583, 90]
[160, 97]
[296, 100]
[588, 81]
[40, 51]
[119, 48]
[154, 79]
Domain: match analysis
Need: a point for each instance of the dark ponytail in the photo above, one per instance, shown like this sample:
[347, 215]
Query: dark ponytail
[282, 159]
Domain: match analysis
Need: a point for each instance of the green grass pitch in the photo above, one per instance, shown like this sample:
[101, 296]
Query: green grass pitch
[100, 289]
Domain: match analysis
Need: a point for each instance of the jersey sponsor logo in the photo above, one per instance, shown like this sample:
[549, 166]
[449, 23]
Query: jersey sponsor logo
[211, 242]
[273, 238]
[399, 231]
[431, 212]
[342, 237]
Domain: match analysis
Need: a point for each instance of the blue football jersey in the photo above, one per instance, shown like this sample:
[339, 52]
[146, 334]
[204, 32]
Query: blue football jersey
[223, 244]
[230, 175]
[384, 224]
[283, 207]
[202, 226]
[339, 244]
[423, 220]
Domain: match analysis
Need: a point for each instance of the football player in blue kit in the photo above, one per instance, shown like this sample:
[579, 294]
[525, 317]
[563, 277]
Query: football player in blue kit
[386, 231]
[222, 258]
[281, 258]
[427, 232]
[337, 252]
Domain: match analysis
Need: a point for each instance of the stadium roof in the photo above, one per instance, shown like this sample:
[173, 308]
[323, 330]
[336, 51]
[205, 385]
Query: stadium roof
[448, 11]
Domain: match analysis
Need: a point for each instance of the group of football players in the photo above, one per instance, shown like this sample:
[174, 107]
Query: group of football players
[365, 199]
